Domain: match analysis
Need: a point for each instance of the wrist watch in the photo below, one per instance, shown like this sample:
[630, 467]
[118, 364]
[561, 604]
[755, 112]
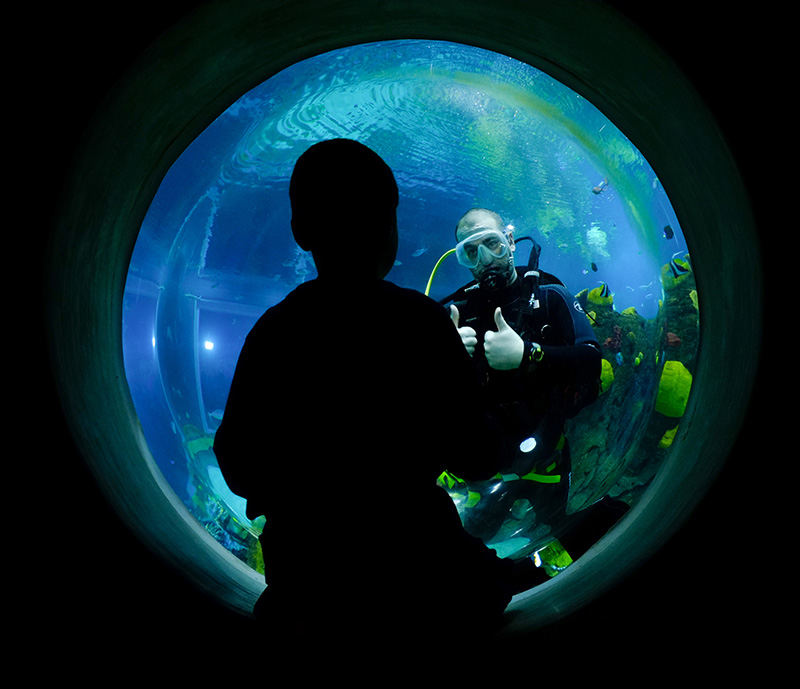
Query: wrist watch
[535, 353]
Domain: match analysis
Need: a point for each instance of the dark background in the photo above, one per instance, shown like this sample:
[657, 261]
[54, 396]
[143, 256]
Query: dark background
[708, 596]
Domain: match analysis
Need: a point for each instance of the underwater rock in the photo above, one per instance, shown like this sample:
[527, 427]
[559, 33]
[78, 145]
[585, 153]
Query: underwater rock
[614, 342]
[679, 316]
[619, 442]
[616, 443]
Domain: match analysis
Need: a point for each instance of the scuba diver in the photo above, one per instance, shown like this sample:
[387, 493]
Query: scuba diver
[539, 363]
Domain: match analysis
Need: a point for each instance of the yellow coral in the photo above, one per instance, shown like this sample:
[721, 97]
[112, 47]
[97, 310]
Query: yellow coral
[693, 297]
[673, 389]
[667, 438]
[606, 375]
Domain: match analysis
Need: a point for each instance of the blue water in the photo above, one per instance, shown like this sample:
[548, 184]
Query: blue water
[460, 127]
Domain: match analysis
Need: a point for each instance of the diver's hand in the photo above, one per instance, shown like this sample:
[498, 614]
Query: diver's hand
[468, 335]
[504, 348]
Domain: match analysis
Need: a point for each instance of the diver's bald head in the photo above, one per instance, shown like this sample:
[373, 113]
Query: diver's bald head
[476, 220]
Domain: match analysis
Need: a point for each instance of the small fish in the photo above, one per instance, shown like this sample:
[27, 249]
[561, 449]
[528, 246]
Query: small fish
[619, 358]
[677, 269]
[605, 292]
[420, 251]
[668, 232]
[592, 265]
[601, 186]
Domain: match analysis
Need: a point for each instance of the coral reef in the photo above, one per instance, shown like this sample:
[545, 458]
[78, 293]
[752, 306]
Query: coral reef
[614, 341]
[618, 443]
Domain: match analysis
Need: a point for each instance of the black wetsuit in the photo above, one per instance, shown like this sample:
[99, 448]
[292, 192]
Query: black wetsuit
[533, 401]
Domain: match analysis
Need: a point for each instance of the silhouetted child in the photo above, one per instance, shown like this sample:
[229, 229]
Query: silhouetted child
[350, 397]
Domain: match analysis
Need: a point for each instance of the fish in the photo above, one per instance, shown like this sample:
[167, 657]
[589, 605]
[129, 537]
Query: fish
[601, 186]
[668, 232]
[605, 292]
[418, 252]
[592, 265]
[619, 358]
[677, 269]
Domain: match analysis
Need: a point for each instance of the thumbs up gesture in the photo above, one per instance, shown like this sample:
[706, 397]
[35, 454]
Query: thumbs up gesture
[504, 348]
[468, 335]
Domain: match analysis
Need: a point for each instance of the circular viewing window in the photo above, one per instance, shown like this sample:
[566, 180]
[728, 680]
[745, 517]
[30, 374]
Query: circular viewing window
[461, 127]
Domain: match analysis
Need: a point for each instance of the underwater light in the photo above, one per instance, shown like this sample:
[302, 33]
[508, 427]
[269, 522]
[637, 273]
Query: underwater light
[88, 262]
[208, 345]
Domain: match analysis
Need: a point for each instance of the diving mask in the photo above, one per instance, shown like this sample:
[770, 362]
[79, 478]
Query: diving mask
[484, 247]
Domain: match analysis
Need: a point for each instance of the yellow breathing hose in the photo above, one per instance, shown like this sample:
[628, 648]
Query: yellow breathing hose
[435, 268]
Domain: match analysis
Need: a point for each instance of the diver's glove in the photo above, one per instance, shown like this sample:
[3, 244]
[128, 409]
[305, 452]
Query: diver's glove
[504, 348]
[468, 335]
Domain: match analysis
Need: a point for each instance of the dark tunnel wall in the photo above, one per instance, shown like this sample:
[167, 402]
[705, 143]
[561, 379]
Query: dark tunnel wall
[176, 89]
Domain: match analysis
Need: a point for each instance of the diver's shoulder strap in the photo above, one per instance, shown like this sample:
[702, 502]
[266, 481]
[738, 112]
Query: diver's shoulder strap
[546, 278]
[538, 284]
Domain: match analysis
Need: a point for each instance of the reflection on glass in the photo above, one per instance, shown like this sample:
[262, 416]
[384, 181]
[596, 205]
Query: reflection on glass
[461, 127]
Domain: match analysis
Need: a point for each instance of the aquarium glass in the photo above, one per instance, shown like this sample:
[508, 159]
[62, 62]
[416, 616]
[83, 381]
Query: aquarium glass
[461, 127]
